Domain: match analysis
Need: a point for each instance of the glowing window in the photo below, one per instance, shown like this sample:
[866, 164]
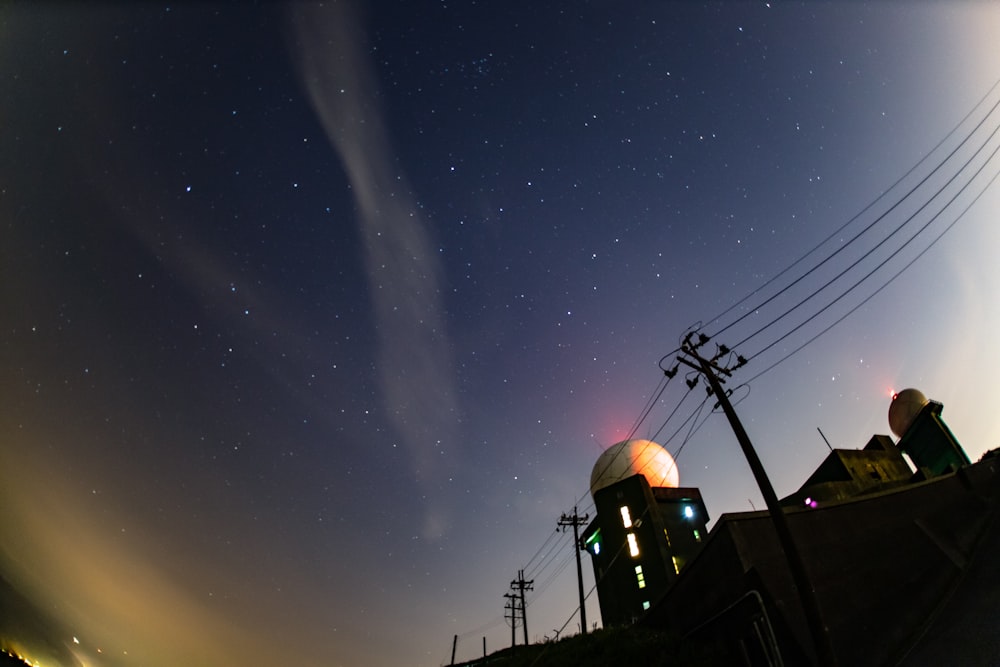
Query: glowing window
[667, 536]
[645, 604]
[594, 542]
[626, 516]
[677, 564]
[688, 512]
[639, 577]
[697, 535]
[633, 545]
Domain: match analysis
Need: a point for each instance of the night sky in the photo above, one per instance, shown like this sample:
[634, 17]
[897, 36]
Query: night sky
[315, 318]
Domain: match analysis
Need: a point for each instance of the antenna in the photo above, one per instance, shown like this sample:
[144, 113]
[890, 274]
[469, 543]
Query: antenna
[824, 439]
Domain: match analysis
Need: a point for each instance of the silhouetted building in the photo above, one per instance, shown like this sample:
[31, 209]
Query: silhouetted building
[642, 536]
[881, 465]
[883, 546]
[930, 444]
[848, 473]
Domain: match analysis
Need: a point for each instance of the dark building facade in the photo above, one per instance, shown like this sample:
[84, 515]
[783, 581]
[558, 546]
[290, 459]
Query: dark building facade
[930, 444]
[847, 473]
[884, 547]
[882, 566]
[640, 540]
[881, 465]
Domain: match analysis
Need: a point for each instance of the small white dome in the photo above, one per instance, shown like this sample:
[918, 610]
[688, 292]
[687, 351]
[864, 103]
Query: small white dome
[905, 406]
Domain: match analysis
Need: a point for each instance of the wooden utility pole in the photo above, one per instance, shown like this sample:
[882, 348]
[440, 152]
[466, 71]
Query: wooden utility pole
[577, 521]
[800, 578]
[521, 585]
[511, 607]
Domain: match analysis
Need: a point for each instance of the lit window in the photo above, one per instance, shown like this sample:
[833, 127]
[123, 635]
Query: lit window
[677, 564]
[633, 545]
[626, 517]
[639, 577]
[593, 543]
[697, 536]
[645, 604]
[688, 512]
[667, 536]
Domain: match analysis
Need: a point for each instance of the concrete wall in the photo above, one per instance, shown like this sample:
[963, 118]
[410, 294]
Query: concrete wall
[880, 565]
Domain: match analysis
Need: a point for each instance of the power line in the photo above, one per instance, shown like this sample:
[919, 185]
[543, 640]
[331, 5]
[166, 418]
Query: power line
[552, 535]
[608, 465]
[650, 404]
[873, 249]
[695, 420]
[550, 555]
[857, 216]
[489, 625]
[877, 220]
[882, 287]
[878, 267]
[550, 579]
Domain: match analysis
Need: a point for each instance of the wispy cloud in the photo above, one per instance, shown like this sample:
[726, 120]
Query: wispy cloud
[404, 272]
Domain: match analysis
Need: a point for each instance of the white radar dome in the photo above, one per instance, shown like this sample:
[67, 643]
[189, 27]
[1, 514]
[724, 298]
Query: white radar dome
[905, 406]
[632, 457]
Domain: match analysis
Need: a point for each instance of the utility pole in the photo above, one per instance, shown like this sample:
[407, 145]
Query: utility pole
[577, 521]
[800, 578]
[510, 613]
[521, 585]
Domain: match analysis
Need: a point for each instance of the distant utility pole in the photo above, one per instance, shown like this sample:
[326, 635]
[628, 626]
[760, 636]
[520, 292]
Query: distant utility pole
[807, 594]
[510, 613]
[577, 521]
[521, 585]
